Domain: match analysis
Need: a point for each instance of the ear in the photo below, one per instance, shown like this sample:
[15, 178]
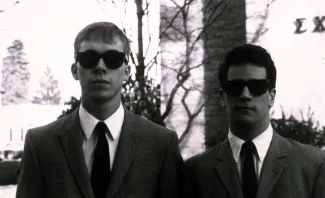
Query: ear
[272, 97]
[127, 72]
[223, 97]
[74, 71]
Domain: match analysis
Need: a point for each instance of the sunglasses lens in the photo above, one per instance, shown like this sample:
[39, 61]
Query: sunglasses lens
[234, 88]
[258, 87]
[88, 59]
[113, 59]
[255, 87]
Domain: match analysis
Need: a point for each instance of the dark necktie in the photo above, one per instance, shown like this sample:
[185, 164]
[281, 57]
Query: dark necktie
[249, 178]
[101, 165]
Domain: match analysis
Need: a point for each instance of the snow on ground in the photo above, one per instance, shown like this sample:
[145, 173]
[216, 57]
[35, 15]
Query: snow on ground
[17, 119]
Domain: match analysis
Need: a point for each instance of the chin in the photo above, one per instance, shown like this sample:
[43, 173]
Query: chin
[244, 120]
[101, 98]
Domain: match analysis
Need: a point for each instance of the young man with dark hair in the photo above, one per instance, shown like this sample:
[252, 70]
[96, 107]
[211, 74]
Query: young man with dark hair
[101, 149]
[254, 161]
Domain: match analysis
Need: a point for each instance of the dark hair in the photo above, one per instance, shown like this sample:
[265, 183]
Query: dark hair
[105, 31]
[248, 53]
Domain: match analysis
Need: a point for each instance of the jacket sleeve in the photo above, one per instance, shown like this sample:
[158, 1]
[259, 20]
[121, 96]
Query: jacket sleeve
[319, 188]
[31, 182]
[169, 181]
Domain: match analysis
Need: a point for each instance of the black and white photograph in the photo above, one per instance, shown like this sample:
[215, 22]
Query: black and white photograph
[162, 98]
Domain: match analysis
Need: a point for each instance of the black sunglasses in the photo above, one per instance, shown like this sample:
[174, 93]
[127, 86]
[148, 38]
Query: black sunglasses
[113, 59]
[256, 87]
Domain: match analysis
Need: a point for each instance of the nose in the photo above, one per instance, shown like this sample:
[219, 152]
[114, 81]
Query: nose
[100, 66]
[245, 94]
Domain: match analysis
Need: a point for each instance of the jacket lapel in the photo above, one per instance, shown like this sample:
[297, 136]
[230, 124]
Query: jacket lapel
[273, 166]
[71, 139]
[126, 149]
[228, 171]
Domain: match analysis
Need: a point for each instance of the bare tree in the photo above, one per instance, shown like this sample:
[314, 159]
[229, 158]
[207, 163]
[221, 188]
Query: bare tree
[181, 26]
[179, 23]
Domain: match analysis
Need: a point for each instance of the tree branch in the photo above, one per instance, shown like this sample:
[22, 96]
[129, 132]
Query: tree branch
[172, 69]
[261, 30]
[151, 63]
[132, 58]
[119, 15]
[169, 105]
[102, 7]
[209, 23]
[16, 2]
[140, 15]
[170, 24]
[191, 116]
[148, 25]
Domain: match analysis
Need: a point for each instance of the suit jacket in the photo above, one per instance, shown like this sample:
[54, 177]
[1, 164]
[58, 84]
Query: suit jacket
[290, 170]
[147, 162]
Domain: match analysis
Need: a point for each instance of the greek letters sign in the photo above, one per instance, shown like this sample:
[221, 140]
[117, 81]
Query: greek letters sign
[319, 25]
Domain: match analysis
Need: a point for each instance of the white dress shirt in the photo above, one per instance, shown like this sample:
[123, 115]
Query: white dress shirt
[88, 123]
[262, 144]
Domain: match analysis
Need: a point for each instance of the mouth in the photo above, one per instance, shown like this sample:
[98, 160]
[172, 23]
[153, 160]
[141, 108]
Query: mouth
[100, 81]
[244, 108]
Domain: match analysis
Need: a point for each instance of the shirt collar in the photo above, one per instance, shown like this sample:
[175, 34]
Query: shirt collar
[262, 143]
[114, 122]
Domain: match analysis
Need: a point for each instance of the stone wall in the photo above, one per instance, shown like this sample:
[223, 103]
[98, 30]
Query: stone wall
[226, 28]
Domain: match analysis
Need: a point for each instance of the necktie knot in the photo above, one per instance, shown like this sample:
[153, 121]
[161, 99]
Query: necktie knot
[101, 128]
[248, 148]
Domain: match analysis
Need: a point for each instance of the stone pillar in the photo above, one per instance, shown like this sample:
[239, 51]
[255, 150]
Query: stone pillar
[226, 27]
